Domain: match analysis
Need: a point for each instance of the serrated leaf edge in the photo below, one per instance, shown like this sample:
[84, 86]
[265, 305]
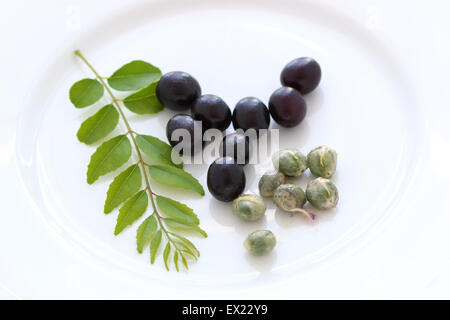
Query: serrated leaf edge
[114, 148]
[148, 220]
[120, 188]
[138, 196]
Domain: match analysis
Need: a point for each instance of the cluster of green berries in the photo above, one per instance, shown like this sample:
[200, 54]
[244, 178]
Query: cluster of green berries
[321, 192]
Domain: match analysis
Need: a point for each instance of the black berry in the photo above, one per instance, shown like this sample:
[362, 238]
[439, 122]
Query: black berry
[212, 111]
[287, 107]
[250, 113]
[237, 146]
[177, 90]
[302, 74]
[186, 122]
[226, 179]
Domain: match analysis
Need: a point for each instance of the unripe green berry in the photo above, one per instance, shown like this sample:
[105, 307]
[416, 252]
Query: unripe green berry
[289, 196]
[322, 193]
[249, 207]
[269, 182]
[260, 242]
[291, 162]
[322, 161]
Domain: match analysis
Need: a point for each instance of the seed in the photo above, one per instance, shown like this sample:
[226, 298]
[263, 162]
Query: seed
[260, 242]
[249, 207]
[322, 193]
[322, 161]
[269, 182]
[291, 198]
[291, 162]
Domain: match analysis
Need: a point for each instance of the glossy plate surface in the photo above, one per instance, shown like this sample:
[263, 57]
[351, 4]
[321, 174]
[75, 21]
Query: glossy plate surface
[367, 107]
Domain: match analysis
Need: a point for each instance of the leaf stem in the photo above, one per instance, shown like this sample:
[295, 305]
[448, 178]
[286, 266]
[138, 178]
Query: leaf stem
[132, 133]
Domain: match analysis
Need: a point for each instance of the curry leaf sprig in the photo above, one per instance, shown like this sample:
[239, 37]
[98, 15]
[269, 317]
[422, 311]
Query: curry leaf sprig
[127, 191]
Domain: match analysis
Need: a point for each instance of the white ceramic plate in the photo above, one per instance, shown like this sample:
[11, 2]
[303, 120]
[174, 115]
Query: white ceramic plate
[366, 107]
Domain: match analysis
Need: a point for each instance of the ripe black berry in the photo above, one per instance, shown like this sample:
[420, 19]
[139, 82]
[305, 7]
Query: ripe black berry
[287, 107]
[302, 74]
[226, 179]
[212, 111]
[177, 90]
[237, 146]
[250, 113]
[184, 121]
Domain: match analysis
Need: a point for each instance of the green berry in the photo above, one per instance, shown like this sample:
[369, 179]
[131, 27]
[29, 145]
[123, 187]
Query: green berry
[291, 162]
[269, 182]
[291, 198]
[322, 161]
[249, 207]
[322, 194]
[260, 242]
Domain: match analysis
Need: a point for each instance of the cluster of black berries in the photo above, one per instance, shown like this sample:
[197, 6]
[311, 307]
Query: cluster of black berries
[180, 91]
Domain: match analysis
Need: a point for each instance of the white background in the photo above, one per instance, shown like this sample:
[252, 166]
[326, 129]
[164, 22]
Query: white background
[408, 257]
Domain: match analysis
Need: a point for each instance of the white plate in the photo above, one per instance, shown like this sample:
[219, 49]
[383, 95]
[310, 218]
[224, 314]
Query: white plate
[366, 108]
